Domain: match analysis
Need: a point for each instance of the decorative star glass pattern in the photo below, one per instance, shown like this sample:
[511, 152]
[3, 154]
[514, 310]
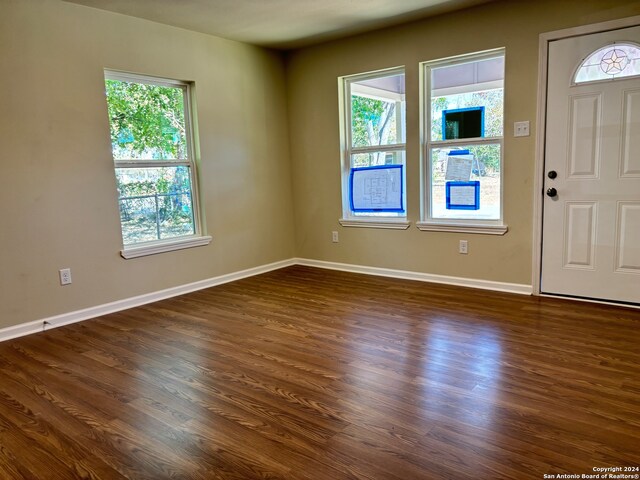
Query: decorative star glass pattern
[612, 62]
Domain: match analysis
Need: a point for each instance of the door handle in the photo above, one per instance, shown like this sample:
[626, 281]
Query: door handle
[552, 174]
[552, 192]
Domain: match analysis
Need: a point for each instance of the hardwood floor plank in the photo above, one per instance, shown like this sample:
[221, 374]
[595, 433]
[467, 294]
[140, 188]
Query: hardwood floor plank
[303, 373]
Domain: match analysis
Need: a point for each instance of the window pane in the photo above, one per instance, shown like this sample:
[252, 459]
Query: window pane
[617, 60]
[147, 121]
[377, 111]
[467, 85]
[491, 100]
[377, 158]
[155, 203]
[458, 166]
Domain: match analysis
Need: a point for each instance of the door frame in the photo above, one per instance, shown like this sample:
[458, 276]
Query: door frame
[541, 117]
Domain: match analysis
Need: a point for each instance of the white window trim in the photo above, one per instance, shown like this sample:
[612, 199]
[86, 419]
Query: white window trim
[457, 227]
[198, 238]
[346, 150]
[162, 246]
[426, 223]
[376, 222]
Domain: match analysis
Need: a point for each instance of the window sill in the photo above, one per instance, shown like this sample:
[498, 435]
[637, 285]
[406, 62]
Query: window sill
[399, 224]
[153, 248]
[484, 229]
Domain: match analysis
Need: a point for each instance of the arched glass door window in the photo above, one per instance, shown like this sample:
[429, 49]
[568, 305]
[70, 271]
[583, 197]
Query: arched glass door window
[617, 60]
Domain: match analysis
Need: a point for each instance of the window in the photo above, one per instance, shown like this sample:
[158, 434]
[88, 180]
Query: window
[618, 60]
[152, 150]
[463, 147]
[373, 149]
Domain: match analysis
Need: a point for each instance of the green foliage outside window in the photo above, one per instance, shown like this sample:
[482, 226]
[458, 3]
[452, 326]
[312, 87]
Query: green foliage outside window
[373, 122]
[147, 121]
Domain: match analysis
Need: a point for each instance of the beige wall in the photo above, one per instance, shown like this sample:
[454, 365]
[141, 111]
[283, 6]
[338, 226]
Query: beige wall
[313, 119]
[58, 196]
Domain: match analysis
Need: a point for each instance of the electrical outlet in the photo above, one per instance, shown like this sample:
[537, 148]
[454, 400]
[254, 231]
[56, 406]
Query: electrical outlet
[463, 247]
[334, 237]
[521, 129]
[65, 276]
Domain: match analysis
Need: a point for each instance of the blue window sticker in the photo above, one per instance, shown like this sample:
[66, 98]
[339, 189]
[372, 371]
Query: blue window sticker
[376, 189]
[463, 195]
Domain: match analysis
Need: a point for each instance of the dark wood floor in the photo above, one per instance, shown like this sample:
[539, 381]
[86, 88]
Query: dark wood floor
[304, 373]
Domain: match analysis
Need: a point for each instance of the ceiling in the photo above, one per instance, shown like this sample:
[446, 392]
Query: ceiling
[281, 24]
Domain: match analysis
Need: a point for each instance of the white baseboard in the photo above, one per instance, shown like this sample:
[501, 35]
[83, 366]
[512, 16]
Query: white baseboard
[92, 312]
[423, 277]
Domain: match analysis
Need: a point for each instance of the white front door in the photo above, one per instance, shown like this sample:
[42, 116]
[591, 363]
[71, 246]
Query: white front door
[591, 222]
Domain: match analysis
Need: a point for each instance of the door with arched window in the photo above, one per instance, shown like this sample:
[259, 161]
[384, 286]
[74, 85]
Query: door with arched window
[591, 219]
